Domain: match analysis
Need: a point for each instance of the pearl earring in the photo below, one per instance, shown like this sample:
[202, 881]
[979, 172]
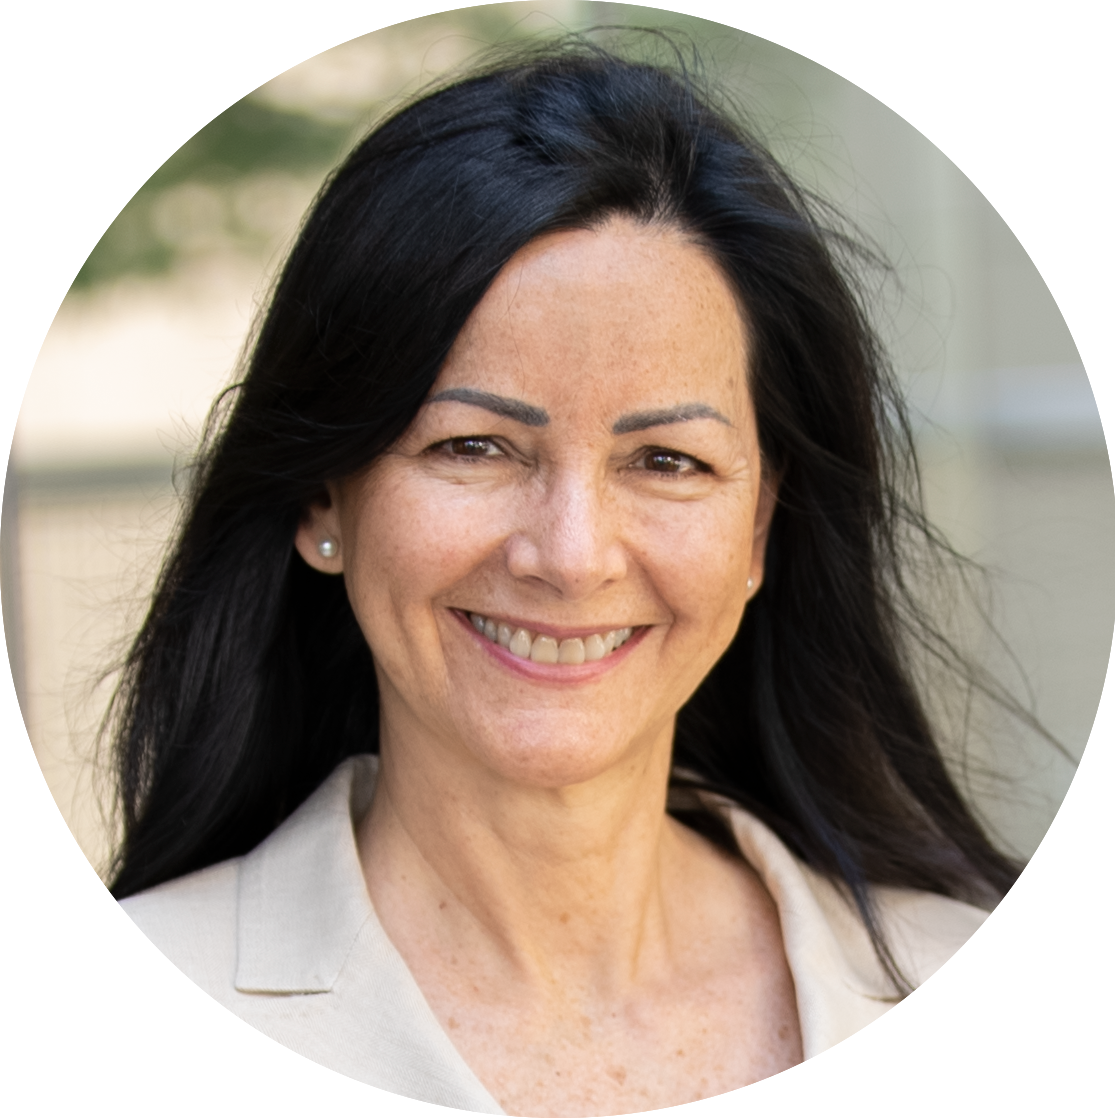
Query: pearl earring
[327, 549]
[750, 584]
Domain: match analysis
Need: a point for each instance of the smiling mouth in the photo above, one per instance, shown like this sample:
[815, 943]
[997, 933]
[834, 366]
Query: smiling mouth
[543, 649]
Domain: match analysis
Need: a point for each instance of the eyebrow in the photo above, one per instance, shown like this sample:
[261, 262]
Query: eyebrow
[531, 416]
[527, 414]
[660, 417]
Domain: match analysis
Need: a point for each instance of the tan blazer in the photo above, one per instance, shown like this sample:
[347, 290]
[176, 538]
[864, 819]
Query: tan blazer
[286, 937]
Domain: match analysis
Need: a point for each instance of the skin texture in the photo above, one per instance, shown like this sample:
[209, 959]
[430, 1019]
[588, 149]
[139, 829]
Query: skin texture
[586, 953]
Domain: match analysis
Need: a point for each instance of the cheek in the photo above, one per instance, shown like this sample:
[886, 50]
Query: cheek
[702, 556]
[412, 541]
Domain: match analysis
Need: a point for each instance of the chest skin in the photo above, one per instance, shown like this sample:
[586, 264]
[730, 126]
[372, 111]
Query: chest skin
[715, 1012]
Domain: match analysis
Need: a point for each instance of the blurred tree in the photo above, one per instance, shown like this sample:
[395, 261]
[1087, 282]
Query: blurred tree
[243, 181]
[246, 139]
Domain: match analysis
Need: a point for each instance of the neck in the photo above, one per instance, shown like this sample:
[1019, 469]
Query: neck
[546, 885]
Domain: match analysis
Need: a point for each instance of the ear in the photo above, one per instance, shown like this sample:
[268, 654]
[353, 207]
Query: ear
[764, 514]
[321, 525]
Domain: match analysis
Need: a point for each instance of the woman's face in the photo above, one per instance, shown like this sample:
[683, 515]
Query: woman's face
[587, 464]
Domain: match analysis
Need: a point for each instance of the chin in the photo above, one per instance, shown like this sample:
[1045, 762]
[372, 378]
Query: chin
[537, 753]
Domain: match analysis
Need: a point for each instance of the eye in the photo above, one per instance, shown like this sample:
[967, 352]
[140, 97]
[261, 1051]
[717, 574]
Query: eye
[472, 446]
[661, 461]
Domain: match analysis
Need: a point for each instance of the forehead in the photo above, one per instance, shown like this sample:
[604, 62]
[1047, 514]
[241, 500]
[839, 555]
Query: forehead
[626, 314]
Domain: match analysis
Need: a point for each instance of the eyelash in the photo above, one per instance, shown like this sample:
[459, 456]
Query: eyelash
[456, 447]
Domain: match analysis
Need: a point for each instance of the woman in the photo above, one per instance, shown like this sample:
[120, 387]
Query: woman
[525, 718]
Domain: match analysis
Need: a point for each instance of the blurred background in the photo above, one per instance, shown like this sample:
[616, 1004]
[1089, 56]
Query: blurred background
[1015, 466]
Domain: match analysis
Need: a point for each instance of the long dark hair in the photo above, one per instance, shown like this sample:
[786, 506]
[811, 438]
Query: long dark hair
[250, 679]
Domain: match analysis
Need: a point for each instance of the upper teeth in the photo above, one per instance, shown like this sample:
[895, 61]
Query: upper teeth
[548, 650]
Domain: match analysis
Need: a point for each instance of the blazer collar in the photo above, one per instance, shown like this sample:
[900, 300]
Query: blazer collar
[303, 902]
[302, 897]
[838, 980]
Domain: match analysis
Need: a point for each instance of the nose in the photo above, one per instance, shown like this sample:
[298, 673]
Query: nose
[568, 537]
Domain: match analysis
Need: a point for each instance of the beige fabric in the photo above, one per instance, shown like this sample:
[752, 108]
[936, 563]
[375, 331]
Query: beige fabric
[286, 937]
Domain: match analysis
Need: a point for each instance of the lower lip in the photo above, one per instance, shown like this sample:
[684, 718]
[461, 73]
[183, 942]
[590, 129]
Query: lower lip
[552, 673]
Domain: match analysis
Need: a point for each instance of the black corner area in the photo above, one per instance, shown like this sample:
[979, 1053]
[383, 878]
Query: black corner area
[93, 1022]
